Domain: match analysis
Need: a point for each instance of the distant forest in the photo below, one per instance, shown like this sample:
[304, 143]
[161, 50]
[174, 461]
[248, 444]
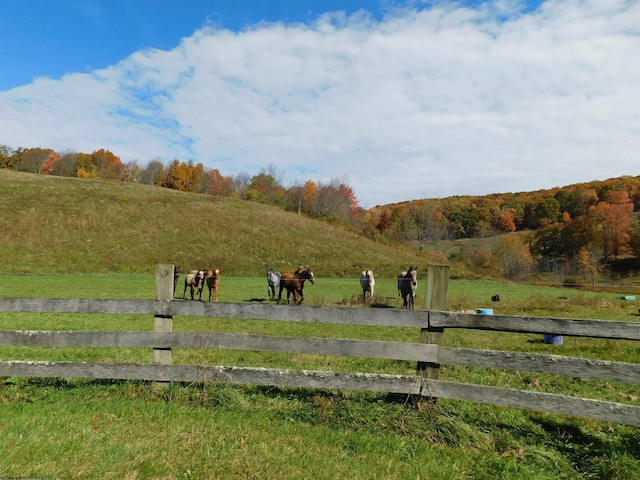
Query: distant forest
[574, 230]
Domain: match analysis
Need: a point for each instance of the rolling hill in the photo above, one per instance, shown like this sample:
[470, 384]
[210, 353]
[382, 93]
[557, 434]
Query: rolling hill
[59, 224]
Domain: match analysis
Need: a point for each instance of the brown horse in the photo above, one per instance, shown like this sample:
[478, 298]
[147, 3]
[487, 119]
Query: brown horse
[212, 279]
[294, 283]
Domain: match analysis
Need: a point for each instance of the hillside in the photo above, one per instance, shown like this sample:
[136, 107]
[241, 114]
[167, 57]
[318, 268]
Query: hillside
[59, 224]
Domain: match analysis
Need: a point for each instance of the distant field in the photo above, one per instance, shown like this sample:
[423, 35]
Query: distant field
[515, 299]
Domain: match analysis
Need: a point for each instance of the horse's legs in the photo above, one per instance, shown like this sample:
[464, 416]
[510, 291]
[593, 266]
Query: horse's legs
[290, 292]
[410, 301]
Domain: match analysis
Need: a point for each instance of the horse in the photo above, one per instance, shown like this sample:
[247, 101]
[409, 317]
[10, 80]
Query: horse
[212, 279]
[294, 283]
[407, 285]
[367, 283]
[273, 282]
[193, 281]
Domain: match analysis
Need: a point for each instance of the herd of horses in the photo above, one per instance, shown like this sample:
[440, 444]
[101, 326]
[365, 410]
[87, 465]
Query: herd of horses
[196, 280]
[407, 286]
[293, 283]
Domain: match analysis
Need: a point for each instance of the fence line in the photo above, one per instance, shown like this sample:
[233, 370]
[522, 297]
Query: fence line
[429, 354]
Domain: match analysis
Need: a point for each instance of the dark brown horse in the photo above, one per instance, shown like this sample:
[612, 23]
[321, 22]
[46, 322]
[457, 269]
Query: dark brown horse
[407, 285]
[294, 283]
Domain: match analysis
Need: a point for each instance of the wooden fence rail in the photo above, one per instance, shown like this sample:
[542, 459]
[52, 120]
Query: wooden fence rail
[428, 353]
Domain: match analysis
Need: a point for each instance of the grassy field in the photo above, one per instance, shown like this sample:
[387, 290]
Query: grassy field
[60, 428]
[72, 225]
[75, 238]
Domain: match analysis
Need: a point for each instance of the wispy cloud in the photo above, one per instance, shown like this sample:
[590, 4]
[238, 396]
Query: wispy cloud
[425, 103]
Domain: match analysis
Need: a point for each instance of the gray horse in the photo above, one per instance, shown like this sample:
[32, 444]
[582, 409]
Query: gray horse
[273, 282]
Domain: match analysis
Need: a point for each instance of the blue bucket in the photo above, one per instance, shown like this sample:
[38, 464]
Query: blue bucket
[484, 311]
[553, 339]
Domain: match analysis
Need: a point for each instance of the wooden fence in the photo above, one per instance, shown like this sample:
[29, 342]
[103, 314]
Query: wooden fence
[429, 355]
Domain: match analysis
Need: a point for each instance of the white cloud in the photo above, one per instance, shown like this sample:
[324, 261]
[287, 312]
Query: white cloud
[444, 101]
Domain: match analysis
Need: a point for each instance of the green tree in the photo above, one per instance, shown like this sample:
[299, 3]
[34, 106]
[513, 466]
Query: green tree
[548, 211]
[264, 188]
[463, 221]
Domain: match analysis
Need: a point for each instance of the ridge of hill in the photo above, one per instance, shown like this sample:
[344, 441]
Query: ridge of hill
[60, 224]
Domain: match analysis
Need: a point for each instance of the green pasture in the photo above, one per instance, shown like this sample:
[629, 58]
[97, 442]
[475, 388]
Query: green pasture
[57, 428]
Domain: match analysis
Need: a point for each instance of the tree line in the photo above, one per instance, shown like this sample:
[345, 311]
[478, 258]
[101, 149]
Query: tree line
[333, 201]
[575, 229]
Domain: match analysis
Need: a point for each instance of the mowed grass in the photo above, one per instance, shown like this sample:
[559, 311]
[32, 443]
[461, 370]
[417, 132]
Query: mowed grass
[59, 428]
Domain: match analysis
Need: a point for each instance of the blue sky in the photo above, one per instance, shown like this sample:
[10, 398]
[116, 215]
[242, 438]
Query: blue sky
[52, 37]
[401, 99]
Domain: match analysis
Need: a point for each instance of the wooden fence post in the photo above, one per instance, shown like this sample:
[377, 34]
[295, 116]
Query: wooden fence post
[435, 298]
[163, 323]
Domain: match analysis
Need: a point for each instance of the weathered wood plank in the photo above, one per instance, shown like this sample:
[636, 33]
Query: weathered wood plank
[211, 340]
[221, 374]
[553, 364]
[389, 317]
[410, 385]
[338, 315]
[559, 326]
[537, 401]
